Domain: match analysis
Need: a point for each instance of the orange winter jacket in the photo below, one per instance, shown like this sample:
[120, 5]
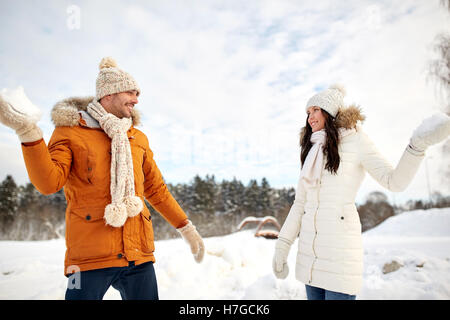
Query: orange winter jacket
[78, 158]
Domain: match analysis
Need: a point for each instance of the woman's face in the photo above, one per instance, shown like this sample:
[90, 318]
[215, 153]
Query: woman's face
[316, 119]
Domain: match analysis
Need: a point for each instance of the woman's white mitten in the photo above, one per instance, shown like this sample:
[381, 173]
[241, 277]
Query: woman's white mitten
[279, 262]
[432, 130]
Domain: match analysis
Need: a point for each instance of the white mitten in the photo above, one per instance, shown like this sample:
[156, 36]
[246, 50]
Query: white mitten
[279, 262]
[193, 238]
[18, 113]
[432, 130]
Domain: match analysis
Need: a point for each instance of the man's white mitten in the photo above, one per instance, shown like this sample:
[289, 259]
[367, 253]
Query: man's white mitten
[432, 130]
[279, 262]
[18, 113]
[193, 238]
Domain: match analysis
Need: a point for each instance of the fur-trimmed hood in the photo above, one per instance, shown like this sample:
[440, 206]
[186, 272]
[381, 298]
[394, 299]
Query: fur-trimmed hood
[348, 117]
[67, 112]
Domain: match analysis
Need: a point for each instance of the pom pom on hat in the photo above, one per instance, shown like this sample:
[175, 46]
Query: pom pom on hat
[340, 88]
[107, 62]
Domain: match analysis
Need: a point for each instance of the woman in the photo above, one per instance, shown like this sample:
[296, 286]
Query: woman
[335, 153]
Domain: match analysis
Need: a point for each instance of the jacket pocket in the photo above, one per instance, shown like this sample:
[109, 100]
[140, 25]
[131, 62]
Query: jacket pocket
[88, 237]
[84, 164]
[138, 152]
[90, 170]
[147, 242]
[349, 218]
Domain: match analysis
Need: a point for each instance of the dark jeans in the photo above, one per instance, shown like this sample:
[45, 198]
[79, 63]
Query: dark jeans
[133, 283]
[314, 293]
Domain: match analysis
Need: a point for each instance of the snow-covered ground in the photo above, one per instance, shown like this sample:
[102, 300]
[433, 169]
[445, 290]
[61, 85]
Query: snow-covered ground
[238, 266]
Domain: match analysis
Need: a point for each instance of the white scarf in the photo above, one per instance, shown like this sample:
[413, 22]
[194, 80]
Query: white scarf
[124, 202]
[313, 165]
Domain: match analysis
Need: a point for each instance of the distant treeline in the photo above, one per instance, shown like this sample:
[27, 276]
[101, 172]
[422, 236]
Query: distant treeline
[216, 208]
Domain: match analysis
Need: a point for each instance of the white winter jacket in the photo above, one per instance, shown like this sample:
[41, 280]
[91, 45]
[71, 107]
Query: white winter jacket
[330, 253]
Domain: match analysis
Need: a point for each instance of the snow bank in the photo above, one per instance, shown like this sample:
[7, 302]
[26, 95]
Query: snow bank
[419, 241]
[238, 266]
[419, 223]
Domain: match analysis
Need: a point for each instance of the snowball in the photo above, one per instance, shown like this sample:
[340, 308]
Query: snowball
[20, 103]
[431, 123]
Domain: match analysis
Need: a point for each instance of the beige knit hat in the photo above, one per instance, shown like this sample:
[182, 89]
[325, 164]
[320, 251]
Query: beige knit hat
[330, 100]
[112, 80]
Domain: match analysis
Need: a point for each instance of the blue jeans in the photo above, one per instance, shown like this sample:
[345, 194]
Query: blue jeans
[314, 293]
[133, 283]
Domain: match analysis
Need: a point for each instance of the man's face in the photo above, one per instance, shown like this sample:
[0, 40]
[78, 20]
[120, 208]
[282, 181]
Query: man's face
[121, 104]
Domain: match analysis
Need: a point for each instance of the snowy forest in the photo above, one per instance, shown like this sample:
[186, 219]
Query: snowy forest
[216, 208]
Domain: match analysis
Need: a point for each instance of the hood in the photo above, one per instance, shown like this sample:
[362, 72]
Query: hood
[66, 113]
[348, 117]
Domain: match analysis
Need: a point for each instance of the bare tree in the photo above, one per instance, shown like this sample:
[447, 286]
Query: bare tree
[439, 68]
[440, 71]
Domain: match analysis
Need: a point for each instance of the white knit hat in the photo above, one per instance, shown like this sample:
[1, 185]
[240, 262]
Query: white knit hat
[330, 100]
[112, 80]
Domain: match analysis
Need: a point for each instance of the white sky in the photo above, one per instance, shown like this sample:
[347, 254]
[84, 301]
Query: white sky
[224, 83]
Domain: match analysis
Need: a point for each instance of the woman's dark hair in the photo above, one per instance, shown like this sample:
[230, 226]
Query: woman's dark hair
[330, 149]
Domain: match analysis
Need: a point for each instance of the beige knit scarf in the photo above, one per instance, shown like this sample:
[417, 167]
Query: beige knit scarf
[124, 202]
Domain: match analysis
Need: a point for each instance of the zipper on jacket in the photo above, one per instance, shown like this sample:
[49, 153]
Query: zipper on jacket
[313, 244]
[315, 228]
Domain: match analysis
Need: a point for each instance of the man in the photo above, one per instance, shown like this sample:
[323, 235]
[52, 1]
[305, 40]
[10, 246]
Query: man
[107, 170]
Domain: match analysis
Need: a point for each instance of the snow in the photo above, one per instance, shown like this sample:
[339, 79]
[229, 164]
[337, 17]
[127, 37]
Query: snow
[413, 239]
[20, 102]
[238, 266]
[428, 125]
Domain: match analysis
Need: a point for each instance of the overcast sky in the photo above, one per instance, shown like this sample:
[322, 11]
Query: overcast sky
[224, 83]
